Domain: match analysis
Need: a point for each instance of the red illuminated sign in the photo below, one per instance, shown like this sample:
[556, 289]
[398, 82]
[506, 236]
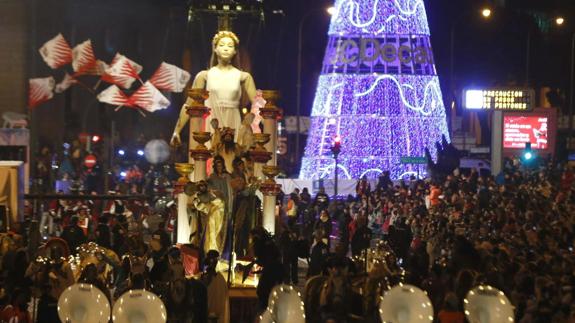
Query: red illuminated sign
[517, 130]
[90, 161]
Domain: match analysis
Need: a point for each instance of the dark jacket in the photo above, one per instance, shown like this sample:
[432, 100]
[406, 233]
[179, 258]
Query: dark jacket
[103, 236]
[74, 236]
[318, 255]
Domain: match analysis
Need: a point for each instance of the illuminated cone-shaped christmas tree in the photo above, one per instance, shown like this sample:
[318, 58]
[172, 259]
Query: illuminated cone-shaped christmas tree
[378, 91]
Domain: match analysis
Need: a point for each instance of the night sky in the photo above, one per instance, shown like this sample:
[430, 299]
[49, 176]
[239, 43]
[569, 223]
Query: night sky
[150, 31]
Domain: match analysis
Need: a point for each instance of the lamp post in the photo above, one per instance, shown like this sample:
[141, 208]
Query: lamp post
[330, 11]
[571, 84]
[335, 150]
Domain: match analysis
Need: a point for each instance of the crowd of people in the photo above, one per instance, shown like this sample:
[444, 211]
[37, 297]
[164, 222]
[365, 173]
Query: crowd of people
[515, 232]
[64, 168]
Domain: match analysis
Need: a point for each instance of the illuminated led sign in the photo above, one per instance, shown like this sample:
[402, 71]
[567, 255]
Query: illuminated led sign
[389, 54]
[499, 99]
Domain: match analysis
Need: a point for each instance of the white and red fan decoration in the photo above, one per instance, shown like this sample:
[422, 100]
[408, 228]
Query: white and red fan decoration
[122, 72]
[66, 82]
[41, 90]
[169, 77]
[96, 69]
[83, 58]
[56, 52]
[149, 98]
[119, 57]
[114, 96]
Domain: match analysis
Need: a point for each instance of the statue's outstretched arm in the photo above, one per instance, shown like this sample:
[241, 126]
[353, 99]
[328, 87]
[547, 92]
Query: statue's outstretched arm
[199, 82]
[249, 85]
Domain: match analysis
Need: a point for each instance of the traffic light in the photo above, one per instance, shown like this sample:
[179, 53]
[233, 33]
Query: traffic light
[527, 155]
[96, 138]
[336, 148]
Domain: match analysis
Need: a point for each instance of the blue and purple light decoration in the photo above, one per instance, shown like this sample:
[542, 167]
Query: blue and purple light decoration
[378, 91]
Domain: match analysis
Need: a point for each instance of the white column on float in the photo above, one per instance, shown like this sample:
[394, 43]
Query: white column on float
[184, 228]
[269, 219]
[271, 128]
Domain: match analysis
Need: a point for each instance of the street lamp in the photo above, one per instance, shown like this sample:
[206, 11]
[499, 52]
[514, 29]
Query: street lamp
[330, 11]
[335, 150]
[559, 21]
[486, 12]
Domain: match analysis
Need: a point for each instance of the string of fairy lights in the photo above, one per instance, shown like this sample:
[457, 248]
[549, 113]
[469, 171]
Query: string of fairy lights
[394, 111]
[376, 16]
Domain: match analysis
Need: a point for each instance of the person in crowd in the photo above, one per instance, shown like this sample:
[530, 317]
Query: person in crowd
[17, 310]
[103, 235]
[134, 175]
[318, 254]
[119, 232]
[321, 201]
[292, 209]
[51, 275]
[384, 182]
[305, 197]
[288, 246]
[73, 234]
[363, 187]
[218, 304]
[344, 219]
[324, 225]
[163, 237]
[361, 238]
[268, 257]
[90, 276]
[450, 312]
[14, 265]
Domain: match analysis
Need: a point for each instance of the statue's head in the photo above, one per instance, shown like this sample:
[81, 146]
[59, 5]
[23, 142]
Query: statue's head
[219, 165]
[224, 45]
[225, 34]
[202, 186]
[215, 123]
[228, 135]
[238, 164]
